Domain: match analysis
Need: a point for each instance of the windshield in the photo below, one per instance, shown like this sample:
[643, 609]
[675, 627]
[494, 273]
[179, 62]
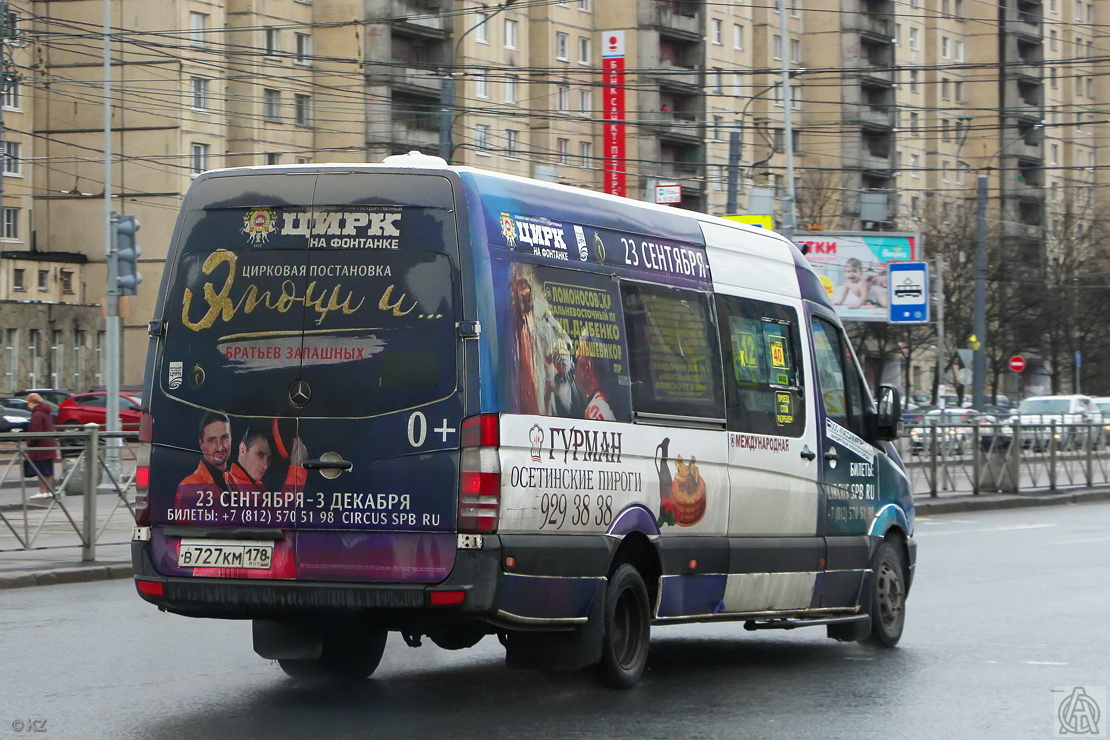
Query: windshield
[1045, 406]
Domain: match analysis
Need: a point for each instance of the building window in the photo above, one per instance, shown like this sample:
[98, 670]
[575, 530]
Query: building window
[271, 105]
[584, 49]
[959, 85]
[586, 153]
[562, 151]
[510, 34]
[584, 5]
[585, 102]
[481, 138]
[198, 28]
[11, 96]
[561, 43]
[959, 51]
[11, 223]
[562, 98]
[945, 47]
[1052, 78]
[913, 80]
[510, 89]
[199, 158]
[913, 122]
[512, 142]
[18, 279]
[273, 43]
[44, 280]
[302, 160]
[273, 158]
[944, 171]
[67, 282]
[795, 50]
[915, 41]
[945, 134]
[302, 48]
[914, 164]
[13, 158]
[481, 83]
[200, 93]
[738, 37]
[715, 32]
[944, 94]
[302, 110]
[778, 47]
[481, 35]
[1090, 87]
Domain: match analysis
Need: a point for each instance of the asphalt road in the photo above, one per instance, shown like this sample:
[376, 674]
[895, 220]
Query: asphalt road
[1007, 606]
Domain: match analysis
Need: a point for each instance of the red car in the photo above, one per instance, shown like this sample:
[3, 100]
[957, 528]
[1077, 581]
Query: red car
[83, 408]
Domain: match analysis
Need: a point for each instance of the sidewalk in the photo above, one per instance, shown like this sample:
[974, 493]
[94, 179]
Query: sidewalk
[58, 561]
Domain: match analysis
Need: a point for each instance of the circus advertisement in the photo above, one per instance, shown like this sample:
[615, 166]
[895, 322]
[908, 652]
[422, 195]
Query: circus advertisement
[853, 268]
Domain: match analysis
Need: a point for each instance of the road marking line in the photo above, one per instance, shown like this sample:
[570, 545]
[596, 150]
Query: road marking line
[1042, 662]
[1005, 528]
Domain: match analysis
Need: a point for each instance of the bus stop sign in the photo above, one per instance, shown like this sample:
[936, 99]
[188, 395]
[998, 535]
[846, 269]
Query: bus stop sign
[908, 292]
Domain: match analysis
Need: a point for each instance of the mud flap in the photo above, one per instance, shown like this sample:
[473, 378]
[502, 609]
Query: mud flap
[570, 650]
[288, 639]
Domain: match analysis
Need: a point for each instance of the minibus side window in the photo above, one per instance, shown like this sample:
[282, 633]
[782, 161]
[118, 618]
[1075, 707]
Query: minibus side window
[838, 378]
[674, 357]
[759, 341]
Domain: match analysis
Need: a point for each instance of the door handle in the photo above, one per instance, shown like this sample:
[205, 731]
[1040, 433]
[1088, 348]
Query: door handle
[808, 454]
[831, 455]
[340, 464]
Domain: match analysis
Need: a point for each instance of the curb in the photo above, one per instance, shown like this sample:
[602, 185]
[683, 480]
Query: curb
[57, 576]
[985, 502]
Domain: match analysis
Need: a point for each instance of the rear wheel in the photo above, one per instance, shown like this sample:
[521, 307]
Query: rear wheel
[887, 598]
[346, 657]
[627, 628]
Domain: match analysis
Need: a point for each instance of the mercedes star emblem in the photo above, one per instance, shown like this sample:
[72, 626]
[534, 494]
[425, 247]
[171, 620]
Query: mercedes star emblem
[300, 393]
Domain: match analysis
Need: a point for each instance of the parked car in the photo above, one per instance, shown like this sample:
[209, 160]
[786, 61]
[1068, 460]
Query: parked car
[12, 417]
[955, 432]
[53, 396]
[1103, 403]
[84, 408]
[1071, 415]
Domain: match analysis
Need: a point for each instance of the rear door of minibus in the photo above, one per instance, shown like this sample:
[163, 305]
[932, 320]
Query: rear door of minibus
[315, 311]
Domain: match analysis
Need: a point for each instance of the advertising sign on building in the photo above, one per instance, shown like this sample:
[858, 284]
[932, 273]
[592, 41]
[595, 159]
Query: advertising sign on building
[668, 193]
[854, 268]
[612, 67]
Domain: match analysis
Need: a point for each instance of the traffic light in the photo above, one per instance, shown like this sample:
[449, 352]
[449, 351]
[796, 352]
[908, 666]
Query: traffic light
[126, 254]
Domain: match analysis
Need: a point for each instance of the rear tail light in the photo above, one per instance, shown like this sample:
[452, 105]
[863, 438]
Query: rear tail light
[142, 472]
[479, 475]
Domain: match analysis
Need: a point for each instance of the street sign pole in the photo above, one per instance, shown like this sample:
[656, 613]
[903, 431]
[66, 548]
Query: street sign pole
[908, 292]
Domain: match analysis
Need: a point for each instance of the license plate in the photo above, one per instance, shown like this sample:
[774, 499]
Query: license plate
[225, 554]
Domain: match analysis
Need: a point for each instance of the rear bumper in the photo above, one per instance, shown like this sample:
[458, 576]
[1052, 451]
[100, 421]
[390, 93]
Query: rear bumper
[477, 573]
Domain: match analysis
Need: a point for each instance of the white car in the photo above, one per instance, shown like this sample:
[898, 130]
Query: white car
[955, 432]
[1071, 415]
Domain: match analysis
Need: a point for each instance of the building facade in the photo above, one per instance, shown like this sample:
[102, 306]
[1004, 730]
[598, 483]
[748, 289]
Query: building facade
[895, 108]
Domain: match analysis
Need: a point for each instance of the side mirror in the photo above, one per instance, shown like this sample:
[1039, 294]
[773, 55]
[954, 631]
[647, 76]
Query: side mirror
[888, 419]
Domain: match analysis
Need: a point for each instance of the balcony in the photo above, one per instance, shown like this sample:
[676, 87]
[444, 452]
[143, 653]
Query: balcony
[879, 26]
[421, 16]
[881, 118]
[678, 77]
[681, 17]
[676, 124]
[414, 134]
[416, 80]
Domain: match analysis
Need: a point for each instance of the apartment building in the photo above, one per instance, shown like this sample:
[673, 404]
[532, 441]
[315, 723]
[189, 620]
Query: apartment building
[895, 108]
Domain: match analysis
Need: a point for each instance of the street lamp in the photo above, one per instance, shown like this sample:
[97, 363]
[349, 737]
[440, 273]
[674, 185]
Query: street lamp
[447, 93]
[979, 320]
[736, 144]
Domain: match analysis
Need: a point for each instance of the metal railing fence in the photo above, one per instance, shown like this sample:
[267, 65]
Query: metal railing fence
[96, 466]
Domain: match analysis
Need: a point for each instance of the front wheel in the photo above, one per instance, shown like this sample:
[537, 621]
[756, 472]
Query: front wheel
[346, 657]
[887, 597]
[627, 628]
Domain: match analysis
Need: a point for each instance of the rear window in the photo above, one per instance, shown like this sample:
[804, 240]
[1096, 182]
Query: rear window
[1045, 406]
[336, 279]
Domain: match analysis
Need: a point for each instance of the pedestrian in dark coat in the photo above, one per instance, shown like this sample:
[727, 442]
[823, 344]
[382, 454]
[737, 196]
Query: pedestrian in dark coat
[42, 452]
